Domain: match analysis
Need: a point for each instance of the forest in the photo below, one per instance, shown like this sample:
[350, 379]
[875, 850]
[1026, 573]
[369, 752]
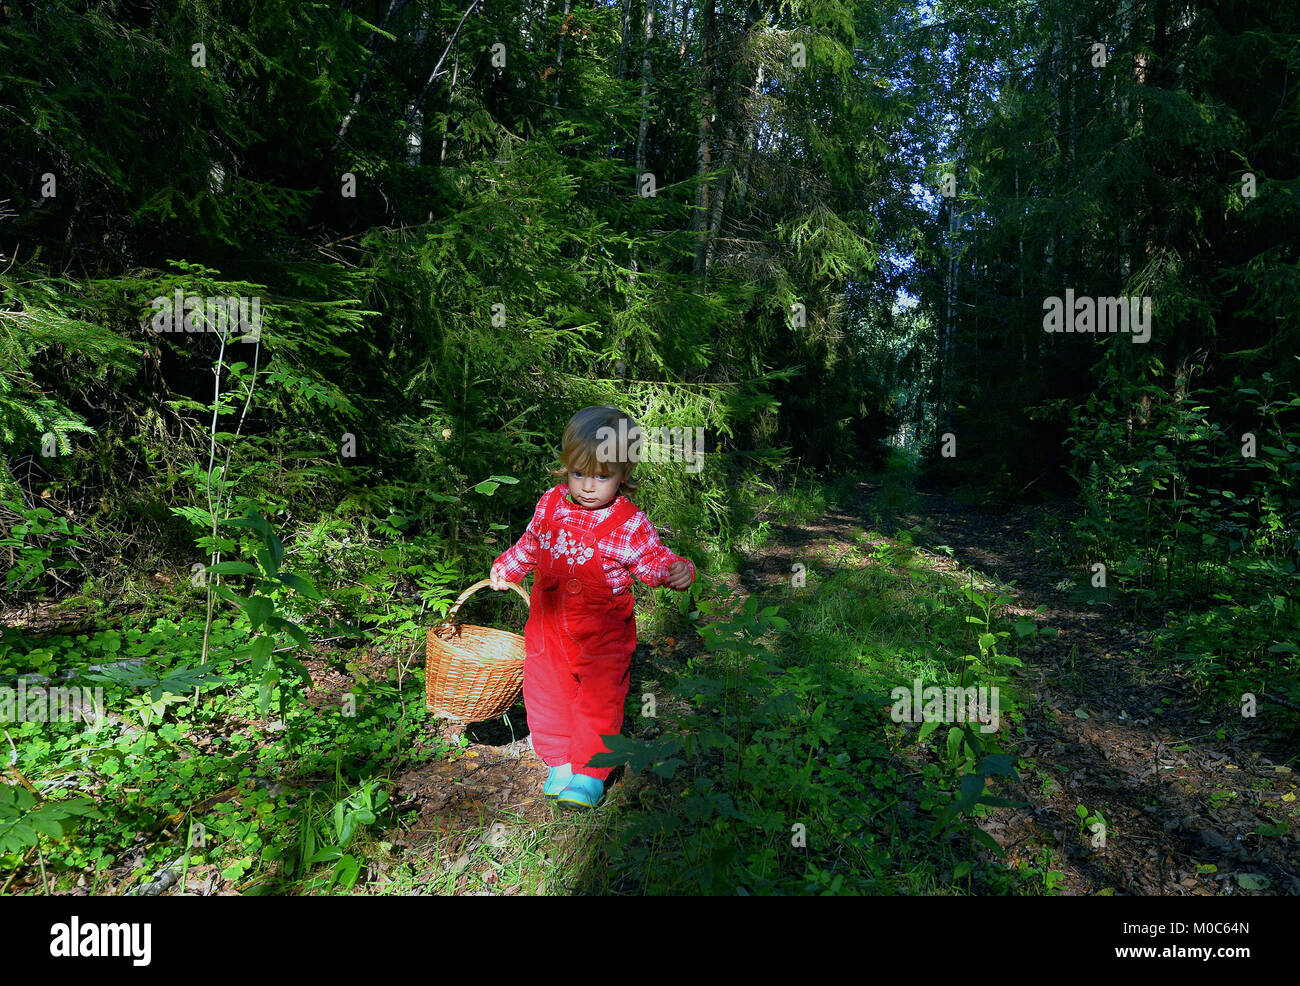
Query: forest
[981, 317]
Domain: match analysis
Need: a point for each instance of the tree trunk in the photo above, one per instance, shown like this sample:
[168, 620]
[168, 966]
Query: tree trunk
[371, 44]
[455, 71]
[700, 220]
[624, 38]
[1065, 98]
[1020, 269]
[750, 108]
[751, 132]
[537, 37]
[724, 184]
[647, 38]
[950, 319]
[559, 52]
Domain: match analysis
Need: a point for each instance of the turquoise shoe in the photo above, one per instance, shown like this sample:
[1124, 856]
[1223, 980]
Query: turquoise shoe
[582, 792]
[557, 779]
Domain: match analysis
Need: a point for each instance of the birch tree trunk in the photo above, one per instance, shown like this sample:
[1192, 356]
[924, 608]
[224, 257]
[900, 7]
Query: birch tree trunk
[455, 71]
[371, 43]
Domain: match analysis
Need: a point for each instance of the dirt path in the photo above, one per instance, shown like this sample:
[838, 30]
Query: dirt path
[1105, 727]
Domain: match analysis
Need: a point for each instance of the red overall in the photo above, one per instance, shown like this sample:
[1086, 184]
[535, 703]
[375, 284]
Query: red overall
[579, 640]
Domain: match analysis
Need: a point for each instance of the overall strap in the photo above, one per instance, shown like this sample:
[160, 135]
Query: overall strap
[550, 506]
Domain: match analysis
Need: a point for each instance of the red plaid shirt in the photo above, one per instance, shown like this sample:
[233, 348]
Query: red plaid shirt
[632, 548]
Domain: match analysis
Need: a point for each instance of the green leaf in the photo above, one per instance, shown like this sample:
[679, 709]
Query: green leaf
[251, 520]
[972, 786]
[954, 742]
[371, 27]
[277, 550]
[259, 610]
[346, 871]
[45, 825]
[268, 682]
[297, 667]
[231, 568]
[229, 594]
[986, 840]
[292, 629]
[300, 585]
[262, 648]
[340, 823]
[668, 768]
[997, 765]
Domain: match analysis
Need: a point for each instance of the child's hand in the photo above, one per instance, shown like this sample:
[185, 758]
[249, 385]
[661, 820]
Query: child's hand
[499, 580]
[679, 576]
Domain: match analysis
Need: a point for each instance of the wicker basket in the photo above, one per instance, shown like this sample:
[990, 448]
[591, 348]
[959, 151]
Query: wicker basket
[472, 673]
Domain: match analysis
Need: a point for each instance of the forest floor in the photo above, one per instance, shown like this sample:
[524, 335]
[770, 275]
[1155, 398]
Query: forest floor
[1196, 799]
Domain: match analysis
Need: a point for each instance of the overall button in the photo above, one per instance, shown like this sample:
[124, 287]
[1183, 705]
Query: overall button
[573, 585]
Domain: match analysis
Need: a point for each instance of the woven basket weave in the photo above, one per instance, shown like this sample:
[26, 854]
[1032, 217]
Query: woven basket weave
[472, 673]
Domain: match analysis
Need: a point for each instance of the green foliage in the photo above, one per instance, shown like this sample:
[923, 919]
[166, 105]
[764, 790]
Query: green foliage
[23, 819]
[324, 837]
[264, 612]
[33, 541]
[774, 775]
[1184, 518]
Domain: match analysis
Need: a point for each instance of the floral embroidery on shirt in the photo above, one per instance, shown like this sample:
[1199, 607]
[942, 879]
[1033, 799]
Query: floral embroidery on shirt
[565, 547]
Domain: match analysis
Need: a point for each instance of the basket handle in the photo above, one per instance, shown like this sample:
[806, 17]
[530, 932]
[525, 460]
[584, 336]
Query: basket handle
[451, 613]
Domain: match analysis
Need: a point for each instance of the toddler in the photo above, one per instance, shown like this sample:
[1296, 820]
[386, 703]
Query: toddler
[581, 633]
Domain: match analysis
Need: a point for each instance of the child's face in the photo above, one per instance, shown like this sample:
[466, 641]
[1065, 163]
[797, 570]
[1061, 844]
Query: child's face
[594, 492]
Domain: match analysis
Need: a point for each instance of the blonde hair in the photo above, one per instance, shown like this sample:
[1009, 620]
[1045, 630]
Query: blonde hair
[584, 436]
